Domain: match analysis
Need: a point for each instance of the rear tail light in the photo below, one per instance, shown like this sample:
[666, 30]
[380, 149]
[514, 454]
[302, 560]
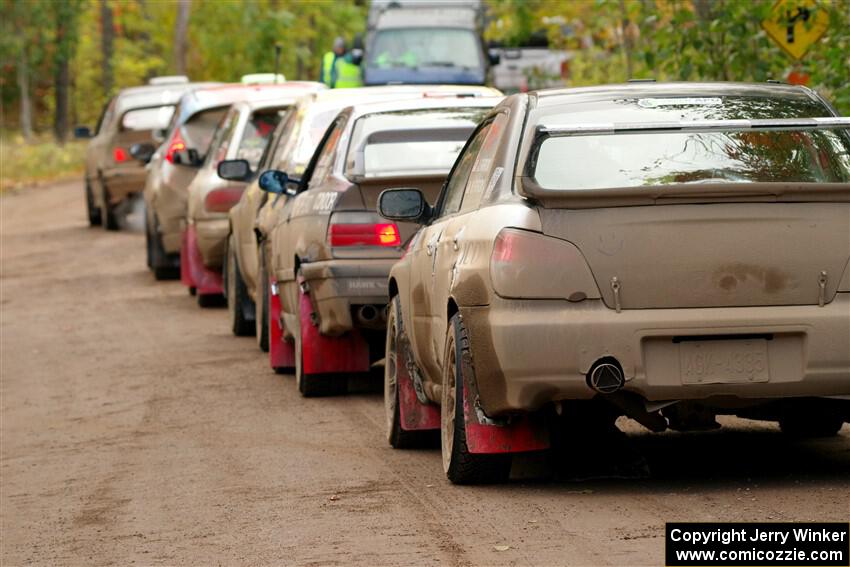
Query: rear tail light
[365, 234]
[119, 154]
[175, 145]
[222, 200]
[528, 264]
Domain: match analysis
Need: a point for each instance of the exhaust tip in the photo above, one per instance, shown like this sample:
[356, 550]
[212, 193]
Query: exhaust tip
[367, 313]
[606, 377]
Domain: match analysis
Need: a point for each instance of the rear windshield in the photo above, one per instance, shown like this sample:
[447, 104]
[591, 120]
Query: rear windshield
[400, 157]
[257, 134]
[634, 160]
[425, 47]
[199, 129]
[153, 118]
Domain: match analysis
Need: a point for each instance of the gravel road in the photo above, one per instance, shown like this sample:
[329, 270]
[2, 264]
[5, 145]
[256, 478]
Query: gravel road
[137, 430]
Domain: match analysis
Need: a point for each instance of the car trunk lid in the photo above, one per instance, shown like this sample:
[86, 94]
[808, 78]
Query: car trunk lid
[719, 254]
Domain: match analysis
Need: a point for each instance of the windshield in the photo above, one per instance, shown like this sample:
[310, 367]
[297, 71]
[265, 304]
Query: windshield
[424, 152]
[147, 118]
[425, 47]
[633, 160]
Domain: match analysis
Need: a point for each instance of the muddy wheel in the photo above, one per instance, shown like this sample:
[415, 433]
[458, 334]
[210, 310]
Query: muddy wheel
[261, 320]
[158, 259]
[93, 211]
[311, 385]
[109, 220]
[237, 294]
[398, 437]
[461, 466]
[806, 424]
[210, 300]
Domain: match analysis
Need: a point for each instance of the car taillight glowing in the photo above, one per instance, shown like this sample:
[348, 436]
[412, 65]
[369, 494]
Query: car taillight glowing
[365, 234]
[175, 145]
[119, 154]
[222, 200]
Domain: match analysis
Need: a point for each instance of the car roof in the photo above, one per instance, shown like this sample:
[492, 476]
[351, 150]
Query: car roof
[228, 94]
[550, 98]
[461, 17]
[364, 109]
[365, 93]
[154, 95]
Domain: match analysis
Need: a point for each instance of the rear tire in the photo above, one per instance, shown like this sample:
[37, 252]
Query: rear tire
[461, 466]
[92, 211]
[159, 261]
[261, 320]
[109, 220]
[210, 300]
[312, 385]
[809, 425]
[396, 435]
[237, 294]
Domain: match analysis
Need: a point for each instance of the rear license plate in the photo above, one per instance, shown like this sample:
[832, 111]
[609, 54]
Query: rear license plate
[723, 361]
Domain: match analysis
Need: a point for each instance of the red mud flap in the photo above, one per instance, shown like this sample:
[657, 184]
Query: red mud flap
[522, 433]
[193, 273]
[281, 351]
[414, 415]
[329, 355]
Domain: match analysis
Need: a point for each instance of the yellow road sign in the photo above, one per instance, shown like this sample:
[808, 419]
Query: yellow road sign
[795, 25]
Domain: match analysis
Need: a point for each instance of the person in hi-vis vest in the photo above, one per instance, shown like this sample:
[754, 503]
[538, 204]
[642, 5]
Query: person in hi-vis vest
[338, 72]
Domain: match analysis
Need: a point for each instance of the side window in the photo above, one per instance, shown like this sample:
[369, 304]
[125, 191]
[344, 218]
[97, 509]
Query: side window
[327, 154]
[453, 193]
[482, 170]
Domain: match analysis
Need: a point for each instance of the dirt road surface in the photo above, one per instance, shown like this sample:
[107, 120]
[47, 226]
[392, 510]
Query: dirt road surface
[137, 430]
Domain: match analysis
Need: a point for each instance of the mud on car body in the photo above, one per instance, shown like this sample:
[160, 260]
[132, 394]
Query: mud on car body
[677, 251]
[132, 117]
[175, 163]
[251, 219]
[330, 252]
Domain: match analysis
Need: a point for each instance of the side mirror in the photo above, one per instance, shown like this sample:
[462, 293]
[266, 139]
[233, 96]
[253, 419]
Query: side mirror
[274, 181]
[493, 55]
[159, 135]
[234, 169]
[404, 204]
[82, 133]
[142, 152]
[356, 56]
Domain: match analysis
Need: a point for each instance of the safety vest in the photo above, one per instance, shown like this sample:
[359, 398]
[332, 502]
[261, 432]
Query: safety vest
[345, 76]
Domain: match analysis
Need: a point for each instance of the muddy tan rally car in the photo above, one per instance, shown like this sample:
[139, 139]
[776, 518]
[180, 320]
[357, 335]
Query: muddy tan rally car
[173, 166]
[677, 251]
[131, 117]
[331, 253]
[290, 150]
[231, 163]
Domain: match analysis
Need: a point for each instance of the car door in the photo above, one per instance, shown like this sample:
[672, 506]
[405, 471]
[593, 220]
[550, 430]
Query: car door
[434, 253]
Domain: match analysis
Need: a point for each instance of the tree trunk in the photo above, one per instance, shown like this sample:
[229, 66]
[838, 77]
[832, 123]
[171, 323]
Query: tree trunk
[61, 80]
[107, 39]
[627, 48]
[24, 88]
[181, 40]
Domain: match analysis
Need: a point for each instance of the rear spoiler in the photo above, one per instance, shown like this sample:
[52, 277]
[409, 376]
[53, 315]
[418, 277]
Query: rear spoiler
[610, 128]
[708, 192]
